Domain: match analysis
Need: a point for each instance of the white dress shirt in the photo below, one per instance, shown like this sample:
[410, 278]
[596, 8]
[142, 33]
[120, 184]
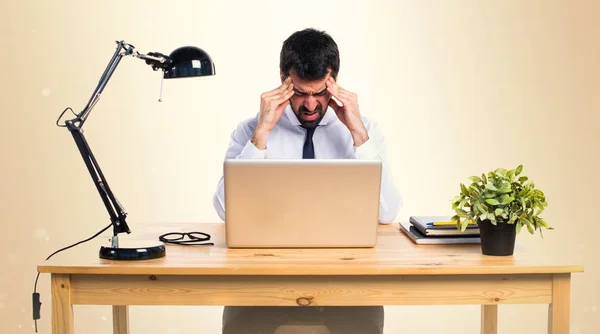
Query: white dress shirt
[332, 140]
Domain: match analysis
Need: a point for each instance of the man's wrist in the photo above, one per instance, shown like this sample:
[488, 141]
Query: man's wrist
[259, 139]
[359, 137]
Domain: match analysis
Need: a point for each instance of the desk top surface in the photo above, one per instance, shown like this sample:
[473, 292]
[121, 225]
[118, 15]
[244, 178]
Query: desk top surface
[395, 254]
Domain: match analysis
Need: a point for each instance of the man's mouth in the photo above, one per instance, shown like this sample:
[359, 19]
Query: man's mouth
[310, 115]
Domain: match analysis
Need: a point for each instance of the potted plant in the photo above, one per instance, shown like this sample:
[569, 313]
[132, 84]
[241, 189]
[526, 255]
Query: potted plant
[500, 203]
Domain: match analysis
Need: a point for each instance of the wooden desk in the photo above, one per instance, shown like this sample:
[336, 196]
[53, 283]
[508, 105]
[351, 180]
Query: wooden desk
[395, 272]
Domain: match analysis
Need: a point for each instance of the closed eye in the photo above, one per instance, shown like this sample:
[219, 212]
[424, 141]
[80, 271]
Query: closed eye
[299, 93]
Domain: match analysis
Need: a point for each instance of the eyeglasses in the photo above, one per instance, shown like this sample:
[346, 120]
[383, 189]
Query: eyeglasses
[194, 238]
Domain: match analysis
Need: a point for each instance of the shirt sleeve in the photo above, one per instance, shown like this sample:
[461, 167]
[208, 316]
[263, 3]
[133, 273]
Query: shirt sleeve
[374, 148]
[240, 147]
[250, 151]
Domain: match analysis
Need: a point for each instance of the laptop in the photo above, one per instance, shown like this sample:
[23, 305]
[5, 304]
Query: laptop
[301, 203]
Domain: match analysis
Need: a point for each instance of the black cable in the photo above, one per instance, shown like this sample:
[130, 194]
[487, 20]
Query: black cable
[61, 115]
[37, 305]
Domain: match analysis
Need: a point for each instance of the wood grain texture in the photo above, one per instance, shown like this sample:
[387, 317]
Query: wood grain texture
[489, 319]
[120, 319]
[62, 306]
[311, 290]
[394, 254]
[559, 311]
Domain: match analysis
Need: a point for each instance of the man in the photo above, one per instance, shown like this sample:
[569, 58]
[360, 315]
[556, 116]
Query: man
[300, 119]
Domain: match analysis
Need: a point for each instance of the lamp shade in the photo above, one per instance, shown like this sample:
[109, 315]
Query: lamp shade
[189, 61]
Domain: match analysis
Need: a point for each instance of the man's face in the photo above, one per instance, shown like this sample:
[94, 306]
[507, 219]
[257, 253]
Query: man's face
[310, 100]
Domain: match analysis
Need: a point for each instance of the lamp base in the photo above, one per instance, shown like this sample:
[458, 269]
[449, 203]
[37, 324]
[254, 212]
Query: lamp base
[148, 251]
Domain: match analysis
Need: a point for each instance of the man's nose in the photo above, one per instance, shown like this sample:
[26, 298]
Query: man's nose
[311, 103]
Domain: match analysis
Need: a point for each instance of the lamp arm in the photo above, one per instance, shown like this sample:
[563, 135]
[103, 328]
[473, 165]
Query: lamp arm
[115, 210]
[123, 49]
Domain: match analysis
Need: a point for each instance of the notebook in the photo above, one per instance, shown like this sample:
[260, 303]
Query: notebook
[419, 238]
[441, 226]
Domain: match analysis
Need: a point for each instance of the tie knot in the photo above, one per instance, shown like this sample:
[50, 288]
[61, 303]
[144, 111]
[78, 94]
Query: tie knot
[310, 131]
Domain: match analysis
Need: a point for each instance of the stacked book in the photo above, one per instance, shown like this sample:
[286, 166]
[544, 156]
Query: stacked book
[439, 230]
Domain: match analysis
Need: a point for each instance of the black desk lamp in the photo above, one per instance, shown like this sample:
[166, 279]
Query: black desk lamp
[184, 62]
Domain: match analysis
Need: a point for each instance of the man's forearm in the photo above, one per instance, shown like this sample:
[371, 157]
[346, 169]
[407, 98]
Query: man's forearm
[259, 139]
[359, 137]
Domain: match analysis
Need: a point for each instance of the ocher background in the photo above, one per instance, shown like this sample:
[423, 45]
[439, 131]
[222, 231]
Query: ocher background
[460, 87]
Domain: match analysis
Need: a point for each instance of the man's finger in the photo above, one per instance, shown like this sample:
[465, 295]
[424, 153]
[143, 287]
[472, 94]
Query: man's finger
[282, 88]
[336, 107]
[285, 83]
[284, 97]
[345, 99]
[333, 87]
[271, 92]
[347, 96]
[283, 106]
[339, 88]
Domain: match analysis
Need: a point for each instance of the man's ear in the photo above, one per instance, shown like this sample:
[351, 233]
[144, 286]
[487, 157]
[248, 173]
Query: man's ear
[282, 77]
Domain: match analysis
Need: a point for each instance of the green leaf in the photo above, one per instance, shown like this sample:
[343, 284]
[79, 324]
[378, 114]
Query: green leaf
[530, 228]
[519, 170]
[506, 200]
[511, 175]
[504, 187]
[523, 179]
[461, 213]
[484, 178]
[492, 201]
[475, 179]
[490, 186]
[464, 225]
[490, 194]
[519, 228]
[539, 211]
[498, 211]
[501, 171]
[464, 190]
[483, 216]
[473, 187]
[480, 208]
[543, 224]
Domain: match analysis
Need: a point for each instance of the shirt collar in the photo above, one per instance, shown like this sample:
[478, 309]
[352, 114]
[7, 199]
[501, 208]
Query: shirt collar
[329, 116]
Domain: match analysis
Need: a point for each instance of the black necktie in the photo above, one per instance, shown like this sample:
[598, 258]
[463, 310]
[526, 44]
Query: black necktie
[308, 151]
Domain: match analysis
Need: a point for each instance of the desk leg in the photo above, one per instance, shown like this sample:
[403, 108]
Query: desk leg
[559, 311]
[62, 307]
[120, 319]
[489, 319]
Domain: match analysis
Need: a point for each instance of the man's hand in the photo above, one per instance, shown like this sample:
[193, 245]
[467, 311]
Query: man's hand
[349, 113]
[272, 104]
